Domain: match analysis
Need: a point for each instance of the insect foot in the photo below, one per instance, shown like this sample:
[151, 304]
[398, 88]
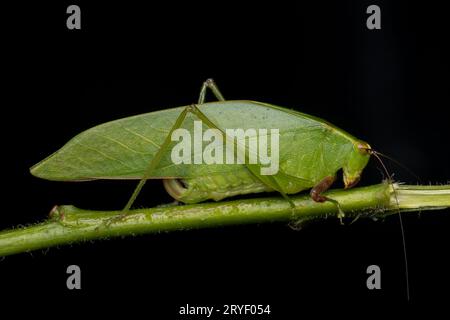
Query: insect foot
[297, 225]
[340, 215]
[118, 218]
[168, 205]
[56, 214]
[65, 216]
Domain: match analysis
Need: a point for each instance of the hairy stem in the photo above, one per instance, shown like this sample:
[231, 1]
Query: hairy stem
[68, 224]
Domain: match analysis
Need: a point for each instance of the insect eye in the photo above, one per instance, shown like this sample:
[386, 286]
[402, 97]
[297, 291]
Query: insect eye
[363, 147]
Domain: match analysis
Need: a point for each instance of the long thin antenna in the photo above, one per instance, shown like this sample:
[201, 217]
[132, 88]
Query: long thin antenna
[401, 165]
[376, 154]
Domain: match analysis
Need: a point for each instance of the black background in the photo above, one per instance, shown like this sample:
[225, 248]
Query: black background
[389, 87]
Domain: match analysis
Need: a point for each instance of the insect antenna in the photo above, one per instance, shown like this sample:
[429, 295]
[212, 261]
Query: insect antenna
[377, 156]
[401, 165]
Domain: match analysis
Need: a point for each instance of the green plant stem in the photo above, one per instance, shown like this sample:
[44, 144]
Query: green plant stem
[68, 224]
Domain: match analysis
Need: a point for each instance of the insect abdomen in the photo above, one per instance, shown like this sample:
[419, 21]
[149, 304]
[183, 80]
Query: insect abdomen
[215, 186]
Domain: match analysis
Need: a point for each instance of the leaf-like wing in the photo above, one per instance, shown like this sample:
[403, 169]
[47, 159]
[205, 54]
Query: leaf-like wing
[123, 149]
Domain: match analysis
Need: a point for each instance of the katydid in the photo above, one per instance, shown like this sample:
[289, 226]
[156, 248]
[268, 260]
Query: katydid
[311, 152]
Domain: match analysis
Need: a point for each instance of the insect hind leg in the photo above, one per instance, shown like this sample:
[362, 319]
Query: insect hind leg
[266, 179]
[150, 168]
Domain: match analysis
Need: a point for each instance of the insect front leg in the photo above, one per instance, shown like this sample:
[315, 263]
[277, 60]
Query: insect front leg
[209, 83]
[322, 186]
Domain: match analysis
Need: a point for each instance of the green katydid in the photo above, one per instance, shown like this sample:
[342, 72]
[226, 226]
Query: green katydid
[311, 152]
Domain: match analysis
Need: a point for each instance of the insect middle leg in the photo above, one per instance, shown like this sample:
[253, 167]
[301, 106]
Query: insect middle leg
[268, 180]
[322, 186]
